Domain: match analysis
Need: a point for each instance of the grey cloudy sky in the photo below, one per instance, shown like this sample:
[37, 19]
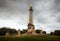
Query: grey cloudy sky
[15, 14]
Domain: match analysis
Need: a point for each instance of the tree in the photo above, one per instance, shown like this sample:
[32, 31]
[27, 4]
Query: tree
[44, 32]
[24, 31]
[38, 31]
[52, 33]
[57, 32]
[3, 30]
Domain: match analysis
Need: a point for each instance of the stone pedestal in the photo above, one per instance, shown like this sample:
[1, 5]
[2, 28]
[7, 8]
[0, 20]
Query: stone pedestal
[19, 33]
[41, 32]
[7, 34]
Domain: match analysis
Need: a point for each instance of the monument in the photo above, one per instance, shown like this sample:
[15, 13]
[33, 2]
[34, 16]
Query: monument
[31, 27]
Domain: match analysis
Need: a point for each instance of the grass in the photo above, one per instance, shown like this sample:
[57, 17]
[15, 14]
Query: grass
[31, 38]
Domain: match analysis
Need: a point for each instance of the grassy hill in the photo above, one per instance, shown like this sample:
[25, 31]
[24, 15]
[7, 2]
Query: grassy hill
[31, 38]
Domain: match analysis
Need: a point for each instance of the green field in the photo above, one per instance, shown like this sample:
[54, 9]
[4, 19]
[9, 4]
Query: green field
[31, 38]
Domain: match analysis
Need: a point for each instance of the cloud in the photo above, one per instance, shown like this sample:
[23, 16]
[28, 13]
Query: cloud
[3, 3]
[45, 12]
[56, 6]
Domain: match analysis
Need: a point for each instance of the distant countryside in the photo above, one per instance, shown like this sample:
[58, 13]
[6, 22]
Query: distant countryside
[12, 35]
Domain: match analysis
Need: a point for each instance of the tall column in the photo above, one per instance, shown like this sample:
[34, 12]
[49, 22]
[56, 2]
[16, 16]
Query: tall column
[31, 15]
[30, 24]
